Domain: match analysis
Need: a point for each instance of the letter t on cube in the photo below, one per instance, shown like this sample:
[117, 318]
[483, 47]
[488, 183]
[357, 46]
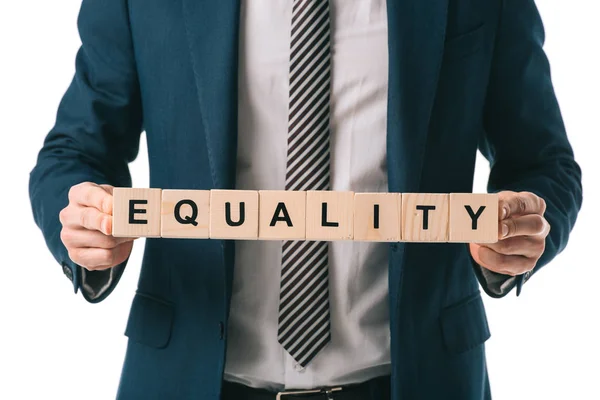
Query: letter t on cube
[425, 217]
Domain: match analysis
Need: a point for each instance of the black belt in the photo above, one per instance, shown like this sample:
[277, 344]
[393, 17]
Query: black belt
[374, 389]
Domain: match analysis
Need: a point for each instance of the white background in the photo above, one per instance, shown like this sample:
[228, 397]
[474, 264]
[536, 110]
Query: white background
[545, 344]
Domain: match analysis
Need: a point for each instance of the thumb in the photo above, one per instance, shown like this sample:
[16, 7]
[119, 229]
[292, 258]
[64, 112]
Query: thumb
[474, 248]
[107, 188]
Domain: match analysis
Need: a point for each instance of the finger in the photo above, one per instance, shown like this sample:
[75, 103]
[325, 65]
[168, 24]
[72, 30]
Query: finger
[522, 203]
[99, 259]
[528, 246]
[527, 225]
[504, 264]
[92, 195]
[78, 217]
[108, 188]
[73, 238]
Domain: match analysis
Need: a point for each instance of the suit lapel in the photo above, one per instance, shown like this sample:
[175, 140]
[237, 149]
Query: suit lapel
[212, 28]
[416, 43]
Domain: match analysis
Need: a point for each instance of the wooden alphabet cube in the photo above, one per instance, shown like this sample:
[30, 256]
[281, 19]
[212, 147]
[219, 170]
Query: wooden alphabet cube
[233, 214]
[473, 218]
[136, 212]
[377, 217]
[185, 214]
[282, 215]
[425, 217]
[329, 215]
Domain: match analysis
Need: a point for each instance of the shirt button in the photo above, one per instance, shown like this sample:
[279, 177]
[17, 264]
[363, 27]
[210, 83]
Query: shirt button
[298, 367]
[221, 330]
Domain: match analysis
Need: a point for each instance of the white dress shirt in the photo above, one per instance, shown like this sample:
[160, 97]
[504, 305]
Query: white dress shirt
[360, 336]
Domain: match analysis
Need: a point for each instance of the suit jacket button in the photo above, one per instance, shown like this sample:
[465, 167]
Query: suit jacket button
[67, 271]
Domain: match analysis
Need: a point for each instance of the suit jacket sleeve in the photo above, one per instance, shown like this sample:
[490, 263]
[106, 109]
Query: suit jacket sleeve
[95, 136]
[525, 139]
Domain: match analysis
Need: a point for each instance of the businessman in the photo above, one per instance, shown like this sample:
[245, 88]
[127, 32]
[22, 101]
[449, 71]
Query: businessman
[358, 95]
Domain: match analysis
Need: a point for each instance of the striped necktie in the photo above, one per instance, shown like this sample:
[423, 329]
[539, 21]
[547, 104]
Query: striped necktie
[304, 326]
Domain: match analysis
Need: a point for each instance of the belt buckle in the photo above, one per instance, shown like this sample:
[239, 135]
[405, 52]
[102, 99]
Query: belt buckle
[283, 395]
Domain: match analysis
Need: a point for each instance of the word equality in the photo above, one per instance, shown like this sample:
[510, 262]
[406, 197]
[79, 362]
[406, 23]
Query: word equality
[305, 215]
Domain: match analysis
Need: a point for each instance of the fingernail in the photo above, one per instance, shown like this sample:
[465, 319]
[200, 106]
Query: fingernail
[504, 230]
[504, 212]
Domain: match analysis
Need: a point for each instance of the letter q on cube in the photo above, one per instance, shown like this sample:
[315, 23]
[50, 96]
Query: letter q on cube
[185, 214]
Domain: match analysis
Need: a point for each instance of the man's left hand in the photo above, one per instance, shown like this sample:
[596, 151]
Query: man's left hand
[522, 231]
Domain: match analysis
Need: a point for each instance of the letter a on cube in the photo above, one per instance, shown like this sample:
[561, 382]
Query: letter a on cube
[136, 212]
[185, 214]
[282, 215]
[234, 214]
[473, 218]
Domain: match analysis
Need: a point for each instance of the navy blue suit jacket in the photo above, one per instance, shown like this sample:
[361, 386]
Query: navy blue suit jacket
[464, 75]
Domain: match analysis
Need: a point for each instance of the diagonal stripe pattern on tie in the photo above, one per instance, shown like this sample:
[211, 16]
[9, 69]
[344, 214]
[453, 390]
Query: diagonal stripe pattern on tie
[304, 326]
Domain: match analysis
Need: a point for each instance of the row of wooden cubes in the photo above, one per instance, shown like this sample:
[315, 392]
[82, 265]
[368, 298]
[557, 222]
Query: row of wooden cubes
[311, 215]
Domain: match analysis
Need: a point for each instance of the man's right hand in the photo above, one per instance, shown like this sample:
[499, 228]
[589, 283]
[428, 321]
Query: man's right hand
[87, 228]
